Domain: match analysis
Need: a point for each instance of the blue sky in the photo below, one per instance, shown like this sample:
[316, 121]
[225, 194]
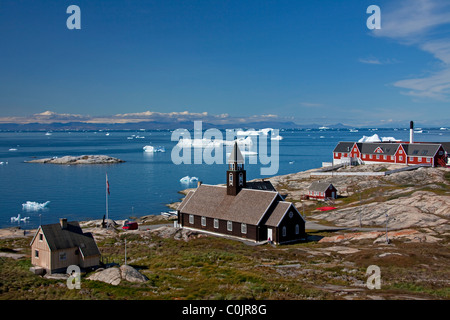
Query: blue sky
[305, 61]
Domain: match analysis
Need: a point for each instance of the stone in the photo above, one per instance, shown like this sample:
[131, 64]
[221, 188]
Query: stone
[110, 275]
[130, 274]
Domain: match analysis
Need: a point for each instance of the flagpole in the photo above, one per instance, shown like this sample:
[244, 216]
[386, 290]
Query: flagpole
[106, 191]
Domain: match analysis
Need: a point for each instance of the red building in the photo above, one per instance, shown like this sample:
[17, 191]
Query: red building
[322, 190]
[432, 154]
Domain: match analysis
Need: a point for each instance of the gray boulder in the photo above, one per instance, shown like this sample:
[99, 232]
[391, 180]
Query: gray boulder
[115, 275]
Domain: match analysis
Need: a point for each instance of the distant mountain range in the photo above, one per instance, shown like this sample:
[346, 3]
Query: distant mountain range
[51, 121]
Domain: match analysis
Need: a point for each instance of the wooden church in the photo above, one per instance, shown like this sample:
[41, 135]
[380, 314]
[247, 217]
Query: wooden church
[250, 211]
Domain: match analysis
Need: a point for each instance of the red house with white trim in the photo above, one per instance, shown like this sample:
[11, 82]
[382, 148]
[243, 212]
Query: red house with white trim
[432, 154]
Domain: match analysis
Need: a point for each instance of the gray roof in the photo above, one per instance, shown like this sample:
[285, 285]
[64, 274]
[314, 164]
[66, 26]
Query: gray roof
[320, 186]
[421, 149]
[71, 237]
[344, 147]
[236, 155]
[278, 213]
[388, 148]
[260, 185]
[248, 206]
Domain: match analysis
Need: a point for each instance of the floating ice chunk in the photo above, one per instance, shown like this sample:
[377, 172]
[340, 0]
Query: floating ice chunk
[188, 179]
[185, 179]
[374, 138]
[13, 149]
[154, 149]
[34, 206]
[15, 219]
[276, 137]
[389, 139]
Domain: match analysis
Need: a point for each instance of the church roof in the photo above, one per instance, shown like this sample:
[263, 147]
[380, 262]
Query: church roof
[248, 206]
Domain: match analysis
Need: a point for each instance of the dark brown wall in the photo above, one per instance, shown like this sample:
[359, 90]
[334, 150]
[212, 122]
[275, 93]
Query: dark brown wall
[251, 234]
[289, 223]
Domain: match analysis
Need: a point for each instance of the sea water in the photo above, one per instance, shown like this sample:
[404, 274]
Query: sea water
[146, 182]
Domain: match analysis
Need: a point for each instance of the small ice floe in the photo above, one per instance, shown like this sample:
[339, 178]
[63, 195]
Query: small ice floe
[48, 134]
[154, 149]
[291, 162]
[19, 219]
[13, 149]
[278, 137]
[34, 206]
[188, 179]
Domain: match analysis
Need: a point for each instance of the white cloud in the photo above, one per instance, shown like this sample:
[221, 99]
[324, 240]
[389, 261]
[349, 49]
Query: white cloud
[418, 23]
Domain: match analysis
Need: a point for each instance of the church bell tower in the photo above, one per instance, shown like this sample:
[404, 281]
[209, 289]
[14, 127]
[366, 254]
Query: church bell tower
[236, 177]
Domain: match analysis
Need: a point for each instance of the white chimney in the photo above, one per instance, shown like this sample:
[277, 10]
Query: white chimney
[411, 132]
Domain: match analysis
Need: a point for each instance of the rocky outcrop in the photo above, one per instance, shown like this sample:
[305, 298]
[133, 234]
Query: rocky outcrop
[85, 159]
[175, 233]
[410, 235]
[115, 275]
[420, 209]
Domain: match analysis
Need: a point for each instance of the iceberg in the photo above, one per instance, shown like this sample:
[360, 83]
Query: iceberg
[154, 149]
[389, 139]
[276, 137]
[188, 179]
[185, 179]
[376, 138]
[34, 206]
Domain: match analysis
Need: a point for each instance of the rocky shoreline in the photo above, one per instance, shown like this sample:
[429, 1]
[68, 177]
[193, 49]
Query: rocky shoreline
[84, 159]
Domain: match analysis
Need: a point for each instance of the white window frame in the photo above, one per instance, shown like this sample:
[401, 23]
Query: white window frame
[203, 221]
[216, 223]
[191, 219]
[230, 225]
[243, 228]
[230, 179]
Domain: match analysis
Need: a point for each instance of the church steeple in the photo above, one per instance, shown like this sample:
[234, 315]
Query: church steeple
[236, 176]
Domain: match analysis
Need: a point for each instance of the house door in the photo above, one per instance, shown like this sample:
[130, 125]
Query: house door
[269, 234]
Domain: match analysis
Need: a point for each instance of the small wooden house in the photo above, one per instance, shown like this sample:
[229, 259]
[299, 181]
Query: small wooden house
[320, 190]
[56, 246]
[251, 211]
